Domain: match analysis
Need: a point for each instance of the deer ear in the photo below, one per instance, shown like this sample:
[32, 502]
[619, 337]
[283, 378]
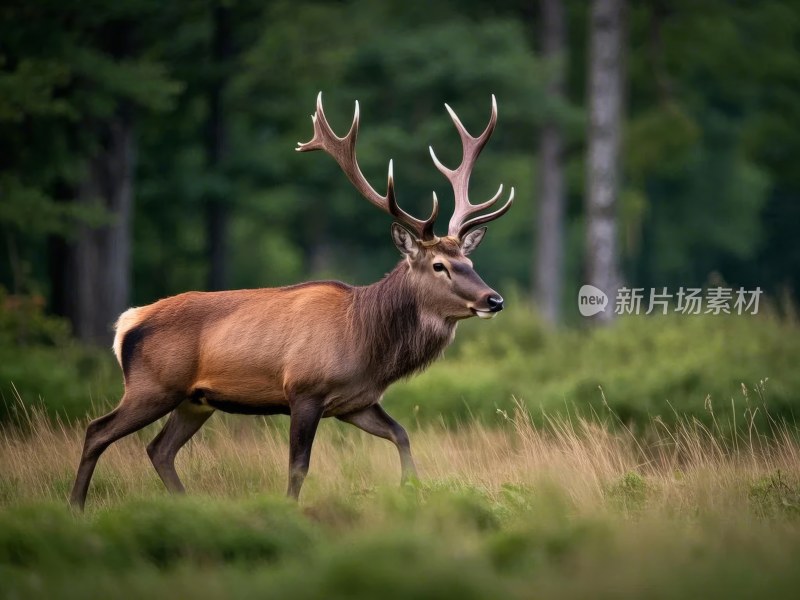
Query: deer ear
[472, 240]
[404, 240]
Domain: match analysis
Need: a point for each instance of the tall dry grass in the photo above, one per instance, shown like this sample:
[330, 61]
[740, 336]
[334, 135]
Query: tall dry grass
[687, 466]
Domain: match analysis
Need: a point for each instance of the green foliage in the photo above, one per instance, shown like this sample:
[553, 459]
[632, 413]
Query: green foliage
[31, 210]
[65, 381]
[702, 146]
[23, 322]
[30, 89]
[165, 533]
[158, 533]
[536, 544]
[40, 365]
[641, 368]
[392, 566]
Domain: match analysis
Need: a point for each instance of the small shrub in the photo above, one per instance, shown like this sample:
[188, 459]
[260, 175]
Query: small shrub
[629, 493]
[773, 495]
[159, 533]
[538, 543]
[392, 565]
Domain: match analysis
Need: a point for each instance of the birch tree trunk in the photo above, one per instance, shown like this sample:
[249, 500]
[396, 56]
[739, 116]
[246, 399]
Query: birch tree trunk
[606, 71]
[548, 275]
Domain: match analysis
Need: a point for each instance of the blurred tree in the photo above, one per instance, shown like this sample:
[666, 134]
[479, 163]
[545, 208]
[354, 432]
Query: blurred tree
[548, 266]
[93, 270]
[216, 146]
[606, 58]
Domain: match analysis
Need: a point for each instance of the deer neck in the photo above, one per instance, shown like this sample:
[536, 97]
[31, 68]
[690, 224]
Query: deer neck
[399, 333]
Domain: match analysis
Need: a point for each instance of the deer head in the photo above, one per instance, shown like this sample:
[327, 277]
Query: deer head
[438, 266]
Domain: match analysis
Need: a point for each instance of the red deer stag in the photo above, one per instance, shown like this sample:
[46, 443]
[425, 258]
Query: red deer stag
[313, 350]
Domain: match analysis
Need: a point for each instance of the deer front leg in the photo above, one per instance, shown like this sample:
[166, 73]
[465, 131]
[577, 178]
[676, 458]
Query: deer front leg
[305, 416]
[376, 421]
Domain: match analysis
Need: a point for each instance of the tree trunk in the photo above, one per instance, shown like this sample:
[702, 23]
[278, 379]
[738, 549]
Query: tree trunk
[216, 204]
[98, 264]
[602, 177]
[91, 273]
[548, 276]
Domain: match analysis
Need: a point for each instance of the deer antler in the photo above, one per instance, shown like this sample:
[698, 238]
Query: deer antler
[461, 223]
[343, 151]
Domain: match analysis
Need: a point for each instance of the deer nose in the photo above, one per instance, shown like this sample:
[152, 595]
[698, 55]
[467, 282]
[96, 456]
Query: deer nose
[495, 303]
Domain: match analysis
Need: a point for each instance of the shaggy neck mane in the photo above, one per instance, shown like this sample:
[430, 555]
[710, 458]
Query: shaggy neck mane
[398, 338]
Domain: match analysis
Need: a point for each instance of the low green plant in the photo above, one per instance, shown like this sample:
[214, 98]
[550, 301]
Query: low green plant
[775, 494]
[41, 365]
[629, 493]
[636, 370]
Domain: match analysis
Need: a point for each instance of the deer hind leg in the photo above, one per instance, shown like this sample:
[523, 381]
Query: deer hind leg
[136, 410]
[183, 423]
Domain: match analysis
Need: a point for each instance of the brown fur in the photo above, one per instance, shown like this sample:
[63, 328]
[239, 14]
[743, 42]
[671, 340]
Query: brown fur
[251, 347]
[396, 340]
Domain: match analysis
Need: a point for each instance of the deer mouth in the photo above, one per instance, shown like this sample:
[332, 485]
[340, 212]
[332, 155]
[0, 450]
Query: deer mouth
[484, 314]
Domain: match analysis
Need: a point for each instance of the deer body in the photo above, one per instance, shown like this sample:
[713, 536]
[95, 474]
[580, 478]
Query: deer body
[313, 350]
[248, 351]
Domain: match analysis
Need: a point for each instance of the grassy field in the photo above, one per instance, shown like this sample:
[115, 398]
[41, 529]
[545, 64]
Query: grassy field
[575, 507]
[657, 458]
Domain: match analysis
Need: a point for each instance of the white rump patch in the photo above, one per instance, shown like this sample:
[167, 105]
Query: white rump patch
[125, 322]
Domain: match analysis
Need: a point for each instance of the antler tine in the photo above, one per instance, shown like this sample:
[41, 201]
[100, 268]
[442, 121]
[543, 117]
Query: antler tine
[480, 220]
[460, 222]
[343, 151]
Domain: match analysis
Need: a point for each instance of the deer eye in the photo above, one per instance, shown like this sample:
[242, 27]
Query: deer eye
[439, 267]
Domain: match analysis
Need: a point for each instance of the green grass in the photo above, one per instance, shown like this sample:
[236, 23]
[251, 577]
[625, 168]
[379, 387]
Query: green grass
[573, 509]
[417, 543]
